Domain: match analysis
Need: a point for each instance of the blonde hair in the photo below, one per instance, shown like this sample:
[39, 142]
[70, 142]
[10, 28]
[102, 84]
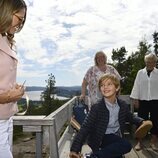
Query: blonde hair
[102, 53]
[111, 77]
[7, 9]
[151, 57]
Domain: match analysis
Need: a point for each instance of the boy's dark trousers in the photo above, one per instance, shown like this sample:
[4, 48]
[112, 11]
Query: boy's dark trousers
[113, 146]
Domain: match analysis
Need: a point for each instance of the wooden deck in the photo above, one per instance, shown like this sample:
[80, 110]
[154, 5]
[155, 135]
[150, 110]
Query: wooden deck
[147, 152]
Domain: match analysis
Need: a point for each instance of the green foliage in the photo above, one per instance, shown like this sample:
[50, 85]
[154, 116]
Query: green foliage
[128, 68]
[155, 41]
[42, 109]
[119, 55]
[47, 96]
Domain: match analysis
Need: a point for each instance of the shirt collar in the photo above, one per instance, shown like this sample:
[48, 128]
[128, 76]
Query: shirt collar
[145, 70]
[110, 104]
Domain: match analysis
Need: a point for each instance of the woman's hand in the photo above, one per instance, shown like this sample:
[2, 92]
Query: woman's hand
[16, 93]
[12, 95]
[74, 155]
[82, 97]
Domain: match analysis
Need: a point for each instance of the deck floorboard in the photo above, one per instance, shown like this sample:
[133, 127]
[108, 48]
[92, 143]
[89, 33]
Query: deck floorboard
[147, 152]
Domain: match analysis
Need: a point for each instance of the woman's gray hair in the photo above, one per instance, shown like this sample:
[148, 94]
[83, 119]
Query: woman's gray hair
[151, 56]
[95, 58]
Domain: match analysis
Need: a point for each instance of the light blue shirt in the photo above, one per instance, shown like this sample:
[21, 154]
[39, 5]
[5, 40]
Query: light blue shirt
[113, 125]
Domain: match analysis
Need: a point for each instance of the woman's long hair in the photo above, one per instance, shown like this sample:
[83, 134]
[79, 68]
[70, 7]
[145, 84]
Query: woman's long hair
[7, 9]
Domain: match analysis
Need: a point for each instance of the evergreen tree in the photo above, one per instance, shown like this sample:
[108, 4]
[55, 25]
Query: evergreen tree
[119, 55]
[47, 95]
[119, 58]
[155, 41]
[134, 63]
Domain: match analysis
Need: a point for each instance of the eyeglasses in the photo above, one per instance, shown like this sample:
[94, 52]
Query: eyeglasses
[21, 21]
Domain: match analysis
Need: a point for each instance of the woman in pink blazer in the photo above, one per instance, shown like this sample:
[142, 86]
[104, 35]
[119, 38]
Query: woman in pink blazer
[12, 19]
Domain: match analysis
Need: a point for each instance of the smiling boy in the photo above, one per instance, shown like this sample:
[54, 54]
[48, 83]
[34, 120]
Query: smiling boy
[104, 126]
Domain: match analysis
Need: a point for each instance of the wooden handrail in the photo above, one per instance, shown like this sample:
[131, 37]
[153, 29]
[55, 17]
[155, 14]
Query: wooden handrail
[47, 126]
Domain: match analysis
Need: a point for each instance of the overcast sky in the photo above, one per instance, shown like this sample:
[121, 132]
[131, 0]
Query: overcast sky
[62, 36]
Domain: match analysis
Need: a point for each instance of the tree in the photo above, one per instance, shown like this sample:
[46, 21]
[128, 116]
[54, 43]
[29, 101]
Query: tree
[129, 67]
[118, 57]
[119, 61]
[155, 41]
[47, 95]
[134, 63]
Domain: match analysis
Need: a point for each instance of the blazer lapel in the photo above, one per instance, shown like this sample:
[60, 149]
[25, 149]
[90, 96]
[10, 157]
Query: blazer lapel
[5, 47]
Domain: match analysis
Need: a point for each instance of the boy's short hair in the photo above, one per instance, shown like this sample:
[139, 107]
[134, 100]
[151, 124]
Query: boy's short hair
[112, 77]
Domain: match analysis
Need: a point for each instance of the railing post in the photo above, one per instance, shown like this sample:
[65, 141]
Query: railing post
[38, 145]
[53, 142]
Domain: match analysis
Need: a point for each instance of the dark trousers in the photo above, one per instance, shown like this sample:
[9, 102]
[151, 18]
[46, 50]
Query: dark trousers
[113, 146]
[148, 110]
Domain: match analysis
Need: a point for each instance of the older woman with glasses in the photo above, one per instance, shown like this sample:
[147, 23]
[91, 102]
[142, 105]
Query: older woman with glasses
[92, 76]
[12, 19]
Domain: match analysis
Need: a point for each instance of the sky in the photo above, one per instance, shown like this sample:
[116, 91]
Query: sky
[62, 36]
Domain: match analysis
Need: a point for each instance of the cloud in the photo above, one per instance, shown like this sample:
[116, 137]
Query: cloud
[61, 37]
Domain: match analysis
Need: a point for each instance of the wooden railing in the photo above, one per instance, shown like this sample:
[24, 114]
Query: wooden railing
[48, 128]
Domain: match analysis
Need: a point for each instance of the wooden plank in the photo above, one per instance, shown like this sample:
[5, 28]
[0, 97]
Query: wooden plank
[146, 152]
[28, 117]
[33, 122]
[32, 128]
[53, 142]
[62, 114]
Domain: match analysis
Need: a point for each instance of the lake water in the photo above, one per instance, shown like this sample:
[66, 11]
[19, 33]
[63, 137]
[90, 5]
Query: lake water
[35, 95]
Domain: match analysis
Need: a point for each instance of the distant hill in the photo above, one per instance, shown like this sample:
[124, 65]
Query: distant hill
[34, 88]
[60, 90]
[68, 91]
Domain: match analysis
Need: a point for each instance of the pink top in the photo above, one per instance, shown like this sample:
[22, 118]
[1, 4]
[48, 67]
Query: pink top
[8, 69]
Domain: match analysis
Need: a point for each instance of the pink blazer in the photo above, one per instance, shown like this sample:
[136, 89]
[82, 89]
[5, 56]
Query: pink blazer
[8, 69]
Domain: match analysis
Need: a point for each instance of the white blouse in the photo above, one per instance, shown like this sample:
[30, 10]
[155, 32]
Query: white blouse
[145, 88]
